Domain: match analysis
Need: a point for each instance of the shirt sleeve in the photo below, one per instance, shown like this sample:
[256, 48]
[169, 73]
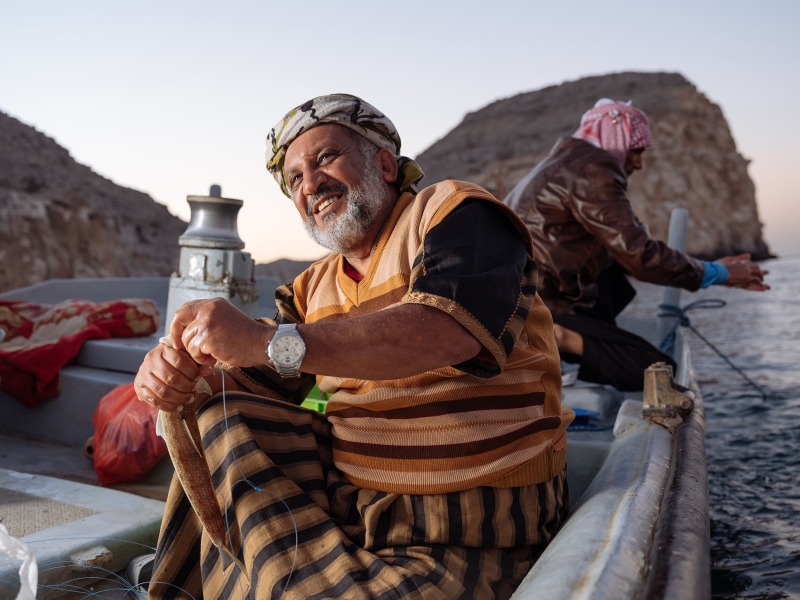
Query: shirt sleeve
[474, 265]
[600, 204]
[714, 274]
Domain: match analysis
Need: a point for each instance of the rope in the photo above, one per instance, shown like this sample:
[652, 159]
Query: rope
[667, 344]
[590, 427]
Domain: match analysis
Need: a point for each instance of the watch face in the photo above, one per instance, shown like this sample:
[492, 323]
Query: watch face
[288, 350]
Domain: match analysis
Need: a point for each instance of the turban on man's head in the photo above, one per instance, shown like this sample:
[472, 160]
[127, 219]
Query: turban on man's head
[350, 112]
[616, 127]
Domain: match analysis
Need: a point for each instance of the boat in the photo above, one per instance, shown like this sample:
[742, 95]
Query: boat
[638, 527]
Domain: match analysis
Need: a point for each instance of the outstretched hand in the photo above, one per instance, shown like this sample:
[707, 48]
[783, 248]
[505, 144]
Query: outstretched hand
[215, 330]
[744, 273]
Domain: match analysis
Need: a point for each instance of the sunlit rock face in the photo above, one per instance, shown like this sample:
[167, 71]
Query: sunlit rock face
[59, 219]
[283, 269]
[693, 162]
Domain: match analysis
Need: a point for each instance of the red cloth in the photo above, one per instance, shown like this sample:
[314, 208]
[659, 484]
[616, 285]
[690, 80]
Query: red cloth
[41, 339]
[351, 272]
[616, 127]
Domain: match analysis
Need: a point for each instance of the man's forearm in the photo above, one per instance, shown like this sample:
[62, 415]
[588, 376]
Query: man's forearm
[401, 341]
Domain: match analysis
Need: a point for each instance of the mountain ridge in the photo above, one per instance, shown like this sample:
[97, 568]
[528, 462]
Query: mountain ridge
[693, 163]
[60, 219]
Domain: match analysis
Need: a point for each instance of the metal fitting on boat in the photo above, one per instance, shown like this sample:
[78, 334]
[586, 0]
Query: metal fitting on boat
[212, 263]
[665, 402]
[213, 222]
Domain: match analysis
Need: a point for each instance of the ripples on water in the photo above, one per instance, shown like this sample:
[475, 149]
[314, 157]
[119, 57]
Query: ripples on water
[752, 444]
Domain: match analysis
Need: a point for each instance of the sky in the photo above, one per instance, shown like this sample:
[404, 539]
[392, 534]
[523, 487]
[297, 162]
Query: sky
[170, 97]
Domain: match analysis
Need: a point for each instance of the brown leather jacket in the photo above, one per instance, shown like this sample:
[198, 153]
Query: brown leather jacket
[575, 206]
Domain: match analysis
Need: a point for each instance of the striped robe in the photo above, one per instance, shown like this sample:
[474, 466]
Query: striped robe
[447, 484]
[303, 530]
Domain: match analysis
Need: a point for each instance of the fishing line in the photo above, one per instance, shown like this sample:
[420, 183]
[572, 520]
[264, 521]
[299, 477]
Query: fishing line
[88, 537]
[667, 344]
[255, 488]
[71, 585]
[167, 583]
[11, 580]
[67, 586]
[129, 588]
[591, 427]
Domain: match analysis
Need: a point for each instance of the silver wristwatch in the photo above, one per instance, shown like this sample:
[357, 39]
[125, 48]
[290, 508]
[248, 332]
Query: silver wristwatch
[286, 351]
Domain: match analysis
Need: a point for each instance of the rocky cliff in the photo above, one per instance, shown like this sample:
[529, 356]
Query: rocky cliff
[283, 269]
[693, 162]
[60, 219]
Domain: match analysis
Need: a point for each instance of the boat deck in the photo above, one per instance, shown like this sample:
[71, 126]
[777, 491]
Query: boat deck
[79, 532]
[43, 448]
[70, 463]
[613, 457]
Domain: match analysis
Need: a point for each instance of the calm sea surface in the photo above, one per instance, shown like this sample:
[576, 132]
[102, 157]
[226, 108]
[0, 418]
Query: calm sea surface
[752, 444]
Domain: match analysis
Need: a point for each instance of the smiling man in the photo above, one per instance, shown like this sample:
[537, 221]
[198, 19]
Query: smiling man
[438, 470]
[587, 238]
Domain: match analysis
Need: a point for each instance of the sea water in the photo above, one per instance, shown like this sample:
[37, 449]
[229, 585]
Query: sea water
[752, 444]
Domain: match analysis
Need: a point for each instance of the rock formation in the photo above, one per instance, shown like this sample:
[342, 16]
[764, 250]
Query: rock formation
[693, 162]
[60, 219]
[283, 269]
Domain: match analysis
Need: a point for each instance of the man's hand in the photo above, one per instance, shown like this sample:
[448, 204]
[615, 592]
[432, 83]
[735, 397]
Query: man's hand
[215, 330]
[568, 340]
[743, 273]
[167, 378]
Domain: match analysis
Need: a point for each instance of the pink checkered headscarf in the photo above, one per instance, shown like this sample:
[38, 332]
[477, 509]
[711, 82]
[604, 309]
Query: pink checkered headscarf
[616, 127]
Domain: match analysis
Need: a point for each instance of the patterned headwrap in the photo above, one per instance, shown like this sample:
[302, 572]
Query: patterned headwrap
[616, 127]
[346, 110]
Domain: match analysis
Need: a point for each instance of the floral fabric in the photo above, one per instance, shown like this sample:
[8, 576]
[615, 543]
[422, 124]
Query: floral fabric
[40, 339]
[616, 127]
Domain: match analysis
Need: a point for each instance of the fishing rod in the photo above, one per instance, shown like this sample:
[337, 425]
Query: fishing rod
[681, 320]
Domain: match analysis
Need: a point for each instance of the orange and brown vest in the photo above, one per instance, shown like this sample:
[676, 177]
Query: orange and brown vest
[443, 430]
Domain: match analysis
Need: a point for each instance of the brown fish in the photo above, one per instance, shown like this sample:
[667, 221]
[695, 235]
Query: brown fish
[185, 445]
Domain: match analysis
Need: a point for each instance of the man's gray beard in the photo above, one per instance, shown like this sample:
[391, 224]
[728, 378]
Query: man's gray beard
[363, 204]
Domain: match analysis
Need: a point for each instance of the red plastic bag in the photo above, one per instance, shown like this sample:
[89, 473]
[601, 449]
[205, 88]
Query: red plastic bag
[125, 442]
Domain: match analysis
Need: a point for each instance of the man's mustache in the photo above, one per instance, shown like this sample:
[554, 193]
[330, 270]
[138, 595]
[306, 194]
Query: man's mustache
[338, 188]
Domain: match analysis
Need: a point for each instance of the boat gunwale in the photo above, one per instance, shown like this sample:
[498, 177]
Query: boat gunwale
[680, 561]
